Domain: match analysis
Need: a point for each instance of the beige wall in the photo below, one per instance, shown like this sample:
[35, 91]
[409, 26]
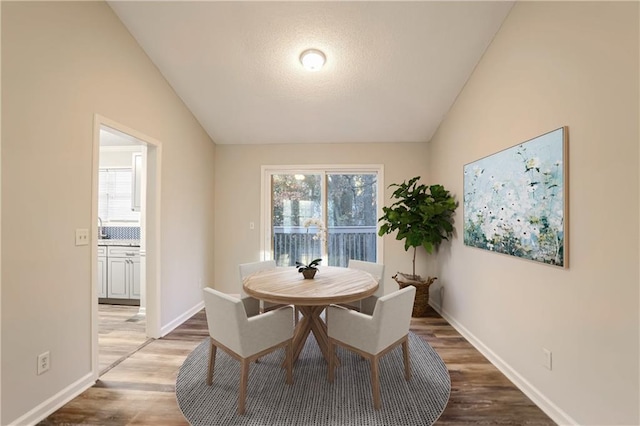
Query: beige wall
[554, 64]
[63, 62]
[238, 183]
[0, 218]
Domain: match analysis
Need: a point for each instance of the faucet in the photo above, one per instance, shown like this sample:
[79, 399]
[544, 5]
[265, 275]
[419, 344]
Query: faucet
[100, 234]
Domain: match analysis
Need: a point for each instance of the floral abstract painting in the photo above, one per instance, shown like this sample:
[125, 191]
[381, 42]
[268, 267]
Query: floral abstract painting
[515, 201]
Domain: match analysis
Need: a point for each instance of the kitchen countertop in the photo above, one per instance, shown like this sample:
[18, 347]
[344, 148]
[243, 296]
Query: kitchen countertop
[115, 242]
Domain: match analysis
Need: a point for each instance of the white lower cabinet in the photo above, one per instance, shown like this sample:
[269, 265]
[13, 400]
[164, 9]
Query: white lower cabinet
[135, 279]
[102, 272]
[123, 272]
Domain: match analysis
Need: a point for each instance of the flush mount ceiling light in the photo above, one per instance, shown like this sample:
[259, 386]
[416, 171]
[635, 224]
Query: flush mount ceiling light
[312, 59]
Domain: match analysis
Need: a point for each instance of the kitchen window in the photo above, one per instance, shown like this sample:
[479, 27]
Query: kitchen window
[114, 195]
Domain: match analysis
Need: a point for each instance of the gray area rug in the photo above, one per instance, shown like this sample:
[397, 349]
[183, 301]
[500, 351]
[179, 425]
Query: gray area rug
[312, 400]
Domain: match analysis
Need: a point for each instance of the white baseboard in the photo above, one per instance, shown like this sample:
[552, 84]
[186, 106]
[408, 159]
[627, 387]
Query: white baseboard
[182, 318]
[552, 410]
[44, 409]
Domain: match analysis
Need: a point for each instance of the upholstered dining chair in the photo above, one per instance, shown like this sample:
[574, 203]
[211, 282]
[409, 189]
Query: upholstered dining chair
[247, 269]
[375, 269]
[373, 336]
[245, 338]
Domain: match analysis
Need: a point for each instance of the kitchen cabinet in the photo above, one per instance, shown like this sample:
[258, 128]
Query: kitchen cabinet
[102, 272]
[123, 272]
[135, 280]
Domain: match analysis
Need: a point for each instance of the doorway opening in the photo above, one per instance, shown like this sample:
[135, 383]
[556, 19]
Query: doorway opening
[125, 210]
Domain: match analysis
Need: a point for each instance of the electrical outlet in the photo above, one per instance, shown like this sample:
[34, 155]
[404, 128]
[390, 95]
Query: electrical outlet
[252, 225]
[546, 358]
[44, 362]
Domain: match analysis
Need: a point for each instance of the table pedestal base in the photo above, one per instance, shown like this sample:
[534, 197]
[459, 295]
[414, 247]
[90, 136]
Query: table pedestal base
[311, 322]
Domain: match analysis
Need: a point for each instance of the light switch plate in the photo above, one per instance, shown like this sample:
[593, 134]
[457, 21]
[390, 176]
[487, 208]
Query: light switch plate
[82, 237]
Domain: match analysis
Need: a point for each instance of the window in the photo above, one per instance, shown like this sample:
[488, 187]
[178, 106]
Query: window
[327, 212]
[114, 195]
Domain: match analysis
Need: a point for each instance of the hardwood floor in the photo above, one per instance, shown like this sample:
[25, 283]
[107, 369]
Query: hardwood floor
[480, 393]
[141, 389]
[121, 332]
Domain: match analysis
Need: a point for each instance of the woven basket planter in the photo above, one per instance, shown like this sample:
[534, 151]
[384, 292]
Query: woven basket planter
[421, 302]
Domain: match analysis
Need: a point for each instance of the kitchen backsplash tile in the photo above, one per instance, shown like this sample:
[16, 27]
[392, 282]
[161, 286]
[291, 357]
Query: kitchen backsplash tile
[122, 232]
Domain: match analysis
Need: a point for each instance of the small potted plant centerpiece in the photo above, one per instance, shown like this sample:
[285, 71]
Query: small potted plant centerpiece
[423, 216]
[308, 270]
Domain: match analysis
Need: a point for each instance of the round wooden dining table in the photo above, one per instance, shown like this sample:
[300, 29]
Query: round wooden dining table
[331, 285]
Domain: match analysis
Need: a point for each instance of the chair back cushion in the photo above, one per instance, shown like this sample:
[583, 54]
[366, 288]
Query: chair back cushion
[392, 316]
[225, 318]
[375, 269]
[247, 269]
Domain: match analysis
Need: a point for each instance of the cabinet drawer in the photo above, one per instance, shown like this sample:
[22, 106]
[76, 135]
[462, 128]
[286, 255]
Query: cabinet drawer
[123, 251]
[102, 251]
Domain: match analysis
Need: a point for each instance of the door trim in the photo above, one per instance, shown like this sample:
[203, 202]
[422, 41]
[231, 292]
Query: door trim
[150, 242]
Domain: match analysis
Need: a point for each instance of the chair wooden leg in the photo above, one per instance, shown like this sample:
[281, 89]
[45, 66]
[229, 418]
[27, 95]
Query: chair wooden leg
[375, 382]
[289, 360]
[405, 355]
[244, 379]
[332, 357]
[212, 362]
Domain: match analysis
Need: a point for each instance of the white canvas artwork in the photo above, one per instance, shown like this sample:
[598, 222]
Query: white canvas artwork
[515, 201]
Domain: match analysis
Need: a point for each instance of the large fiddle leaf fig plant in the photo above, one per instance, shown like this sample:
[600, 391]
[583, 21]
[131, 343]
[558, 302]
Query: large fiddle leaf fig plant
[422, 215]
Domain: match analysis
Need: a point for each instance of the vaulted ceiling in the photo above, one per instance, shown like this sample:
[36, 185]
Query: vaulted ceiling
[393, 69]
